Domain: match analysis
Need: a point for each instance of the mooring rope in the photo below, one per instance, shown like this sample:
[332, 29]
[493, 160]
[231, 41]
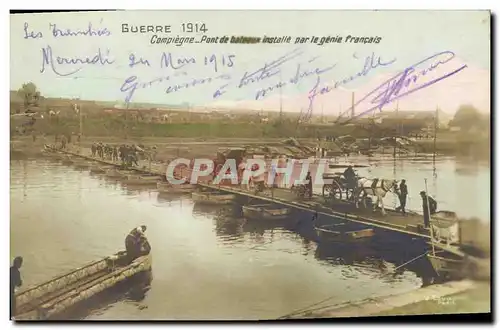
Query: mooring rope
[305, 309]
[406, 263]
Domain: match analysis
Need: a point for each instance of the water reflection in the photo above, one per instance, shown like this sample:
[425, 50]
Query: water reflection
[131, 291]
[228, 228]
[163, 197]
[263, 268]
[207, 209]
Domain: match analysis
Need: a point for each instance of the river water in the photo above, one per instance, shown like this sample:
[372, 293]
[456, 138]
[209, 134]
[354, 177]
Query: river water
[207, 263]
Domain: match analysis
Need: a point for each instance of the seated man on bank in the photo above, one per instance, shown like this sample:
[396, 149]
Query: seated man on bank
[136, 243]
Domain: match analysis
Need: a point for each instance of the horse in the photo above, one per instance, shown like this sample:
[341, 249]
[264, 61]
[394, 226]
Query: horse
[375, 187]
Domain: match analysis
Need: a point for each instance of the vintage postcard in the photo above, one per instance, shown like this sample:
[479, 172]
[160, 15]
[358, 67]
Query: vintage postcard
[249, 165]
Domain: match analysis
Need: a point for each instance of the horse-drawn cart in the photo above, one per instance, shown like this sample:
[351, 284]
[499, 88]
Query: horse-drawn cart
[335, 185]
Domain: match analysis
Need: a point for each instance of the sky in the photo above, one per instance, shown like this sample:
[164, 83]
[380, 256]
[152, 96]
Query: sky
[216, 74]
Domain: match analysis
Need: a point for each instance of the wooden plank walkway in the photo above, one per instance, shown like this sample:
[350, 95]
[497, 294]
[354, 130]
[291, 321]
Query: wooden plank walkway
[392, 221]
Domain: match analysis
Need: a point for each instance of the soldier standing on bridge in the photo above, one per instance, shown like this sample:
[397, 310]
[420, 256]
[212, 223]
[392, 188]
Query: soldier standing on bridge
[429, 206]
[309, 183]
[63, 142]
[403, 193]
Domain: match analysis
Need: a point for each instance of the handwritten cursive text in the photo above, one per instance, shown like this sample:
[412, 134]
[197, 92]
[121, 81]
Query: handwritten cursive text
[53, 62]
[168, 61]
[89, 31]
[269, 69]
[31, 34]
[410, 80]
[300, 73]
[370, 63]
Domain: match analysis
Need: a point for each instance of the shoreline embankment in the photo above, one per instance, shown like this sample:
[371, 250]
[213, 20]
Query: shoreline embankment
[446, 298]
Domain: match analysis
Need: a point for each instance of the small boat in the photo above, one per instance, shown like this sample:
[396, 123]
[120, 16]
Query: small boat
[99, 169]
[116, 173]
[82, 164]
[338, 233]
[167, 187]
[446, 267]
[48, 299]
[67, 160]
[142, 179]
[444, 218]
[205, 197]
[265, 212]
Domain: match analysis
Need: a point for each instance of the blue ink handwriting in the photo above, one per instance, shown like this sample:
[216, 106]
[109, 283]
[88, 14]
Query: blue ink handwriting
[269, 69]
[300, 73]
[48, 59]
[132, 83]
[406, 82]
[219, 91]
[133, 61]
[371, 62]
[31, 34]
[195, 82]
[89, 31]
[223, 60]
[167, 61]
[313, 92]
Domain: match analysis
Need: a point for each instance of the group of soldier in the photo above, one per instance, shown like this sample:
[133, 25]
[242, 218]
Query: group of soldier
[127, 154]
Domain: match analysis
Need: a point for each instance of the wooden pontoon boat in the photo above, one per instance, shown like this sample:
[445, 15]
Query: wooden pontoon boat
[213, 197]
[142, 179]
[446, 267]
[265, 212]
[166, 187]
[48, 299]
[99, 169]
[338, 233]
[67, 161]
[82, 164]
[116, 173]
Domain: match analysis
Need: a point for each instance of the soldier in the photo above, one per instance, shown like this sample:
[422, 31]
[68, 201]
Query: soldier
[136, 243]
[402, 194]
[309, 184]
[115, 153]
[428, 208]
[63, 142]
[15, 281]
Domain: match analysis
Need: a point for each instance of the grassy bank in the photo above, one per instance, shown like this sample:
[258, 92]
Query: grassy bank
[118, 127]
[447, 142]
[477, 300]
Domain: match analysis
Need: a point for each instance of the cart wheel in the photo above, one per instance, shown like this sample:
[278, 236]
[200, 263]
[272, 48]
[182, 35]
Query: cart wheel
[326, 193]
[350, 195]
[326, 190]
[336, 193]
[332, 192]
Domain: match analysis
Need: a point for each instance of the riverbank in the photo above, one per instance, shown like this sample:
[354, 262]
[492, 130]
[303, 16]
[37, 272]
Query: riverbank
[447, 142]
[475, 300]
[167, 148]
[453, 297]
[206, 146]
